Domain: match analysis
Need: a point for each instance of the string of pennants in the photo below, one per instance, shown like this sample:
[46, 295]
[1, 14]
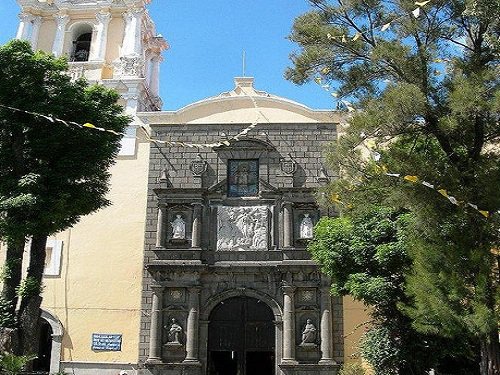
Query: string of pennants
[222, 142]
[345, 38]
[335, 197]
[416, 13]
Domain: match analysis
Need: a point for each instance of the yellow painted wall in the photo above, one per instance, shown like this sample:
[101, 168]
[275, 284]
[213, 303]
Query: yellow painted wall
[355, 314]
[115, 38]
[99, 290]
[46, 35]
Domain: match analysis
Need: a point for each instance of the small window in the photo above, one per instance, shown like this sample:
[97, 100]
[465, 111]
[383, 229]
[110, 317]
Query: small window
[243, 178]
[53, 253]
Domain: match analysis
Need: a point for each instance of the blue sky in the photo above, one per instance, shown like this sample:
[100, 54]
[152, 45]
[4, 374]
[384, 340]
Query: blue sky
[207, 38]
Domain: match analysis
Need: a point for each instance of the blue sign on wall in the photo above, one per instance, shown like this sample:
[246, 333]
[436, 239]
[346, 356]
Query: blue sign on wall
[105, 341]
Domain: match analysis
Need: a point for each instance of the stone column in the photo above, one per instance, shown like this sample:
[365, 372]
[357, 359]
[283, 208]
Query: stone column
[132, 36]
[196, 230]
[192, 340]
[36, 23]
[326, 327]
[23, 31]
[155, 333]
[155, 74]
[58, 45]
[160, 226]
[287, 224]
[288, 324]
[101, 40]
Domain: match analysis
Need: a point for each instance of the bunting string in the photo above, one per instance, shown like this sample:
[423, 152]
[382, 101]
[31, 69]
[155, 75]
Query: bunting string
[87, 125]
[335, 197]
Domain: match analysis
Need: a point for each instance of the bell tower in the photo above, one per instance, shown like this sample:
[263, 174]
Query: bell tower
[113, 42]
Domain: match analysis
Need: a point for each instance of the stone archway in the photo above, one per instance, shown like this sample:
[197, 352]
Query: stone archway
[56, 329]
[241, 338]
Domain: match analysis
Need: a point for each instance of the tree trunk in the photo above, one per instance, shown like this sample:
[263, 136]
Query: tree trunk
[29, 311]
[12, 279]
[490, 355]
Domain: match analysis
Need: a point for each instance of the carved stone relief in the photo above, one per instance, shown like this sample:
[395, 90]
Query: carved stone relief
[242, 228]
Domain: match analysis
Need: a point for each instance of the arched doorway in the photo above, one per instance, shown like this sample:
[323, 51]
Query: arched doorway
[241, 338]
[43, 360]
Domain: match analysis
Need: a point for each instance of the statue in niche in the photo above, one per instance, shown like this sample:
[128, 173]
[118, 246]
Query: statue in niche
[174, 332]
[309, 333]
[306, 227]
[178, 228]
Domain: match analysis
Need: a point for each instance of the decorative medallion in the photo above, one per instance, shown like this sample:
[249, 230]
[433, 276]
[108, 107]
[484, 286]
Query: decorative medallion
[288, 166]
[198, 166]
[307, 296]
[242, 228]
[176, 294]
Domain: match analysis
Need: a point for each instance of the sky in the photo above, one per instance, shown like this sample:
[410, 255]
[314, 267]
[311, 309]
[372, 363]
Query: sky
[207, 39]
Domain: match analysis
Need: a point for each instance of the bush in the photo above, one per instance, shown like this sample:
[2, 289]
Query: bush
[13, 364]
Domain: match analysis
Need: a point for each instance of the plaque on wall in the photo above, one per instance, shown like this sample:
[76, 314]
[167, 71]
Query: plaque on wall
[107, 342]
[242, 228]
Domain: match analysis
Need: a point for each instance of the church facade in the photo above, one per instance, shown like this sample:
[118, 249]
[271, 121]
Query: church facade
[200, 264]
[228, 281]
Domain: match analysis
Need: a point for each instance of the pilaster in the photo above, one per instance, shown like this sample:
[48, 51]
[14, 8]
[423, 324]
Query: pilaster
[288, 325]
[61, 22]
[160, 226]
[35, 31]
[196, 231]
[192, 341]
[326, 327]
[23, 30]
[156, 326]
[98, 52]
[287, 224]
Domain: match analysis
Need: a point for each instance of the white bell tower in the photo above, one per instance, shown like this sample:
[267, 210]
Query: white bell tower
[113, 42]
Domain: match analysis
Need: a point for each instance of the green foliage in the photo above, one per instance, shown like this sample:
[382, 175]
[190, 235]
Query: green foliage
[428, 91]
[6, 317]
[378, 349]
[352, 369]
[13, 364]
[29, 287]
[51, 174]
[365, 256]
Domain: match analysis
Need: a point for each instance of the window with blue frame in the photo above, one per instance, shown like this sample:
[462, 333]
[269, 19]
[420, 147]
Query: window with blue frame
[243, 177]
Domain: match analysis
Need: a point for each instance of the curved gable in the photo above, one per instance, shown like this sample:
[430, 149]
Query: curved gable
[243, 104]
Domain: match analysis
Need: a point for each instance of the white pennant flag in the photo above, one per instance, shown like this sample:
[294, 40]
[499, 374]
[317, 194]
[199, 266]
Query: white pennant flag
[429, 185]
[386, 26]
[416, 12]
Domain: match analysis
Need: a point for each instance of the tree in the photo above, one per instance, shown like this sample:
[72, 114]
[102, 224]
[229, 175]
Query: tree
[366, 257]
[51, 174]
[424, 77]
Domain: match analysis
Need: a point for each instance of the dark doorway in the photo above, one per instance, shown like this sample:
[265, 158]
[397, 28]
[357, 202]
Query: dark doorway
[42, 362]
[241, 337]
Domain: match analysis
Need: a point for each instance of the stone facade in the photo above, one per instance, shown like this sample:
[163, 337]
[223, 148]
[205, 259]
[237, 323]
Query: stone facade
[237, 249]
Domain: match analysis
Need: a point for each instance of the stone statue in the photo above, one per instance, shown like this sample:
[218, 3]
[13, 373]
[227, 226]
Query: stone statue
[174, 332]
[178, 228]
[306, 227]
[309, 333]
